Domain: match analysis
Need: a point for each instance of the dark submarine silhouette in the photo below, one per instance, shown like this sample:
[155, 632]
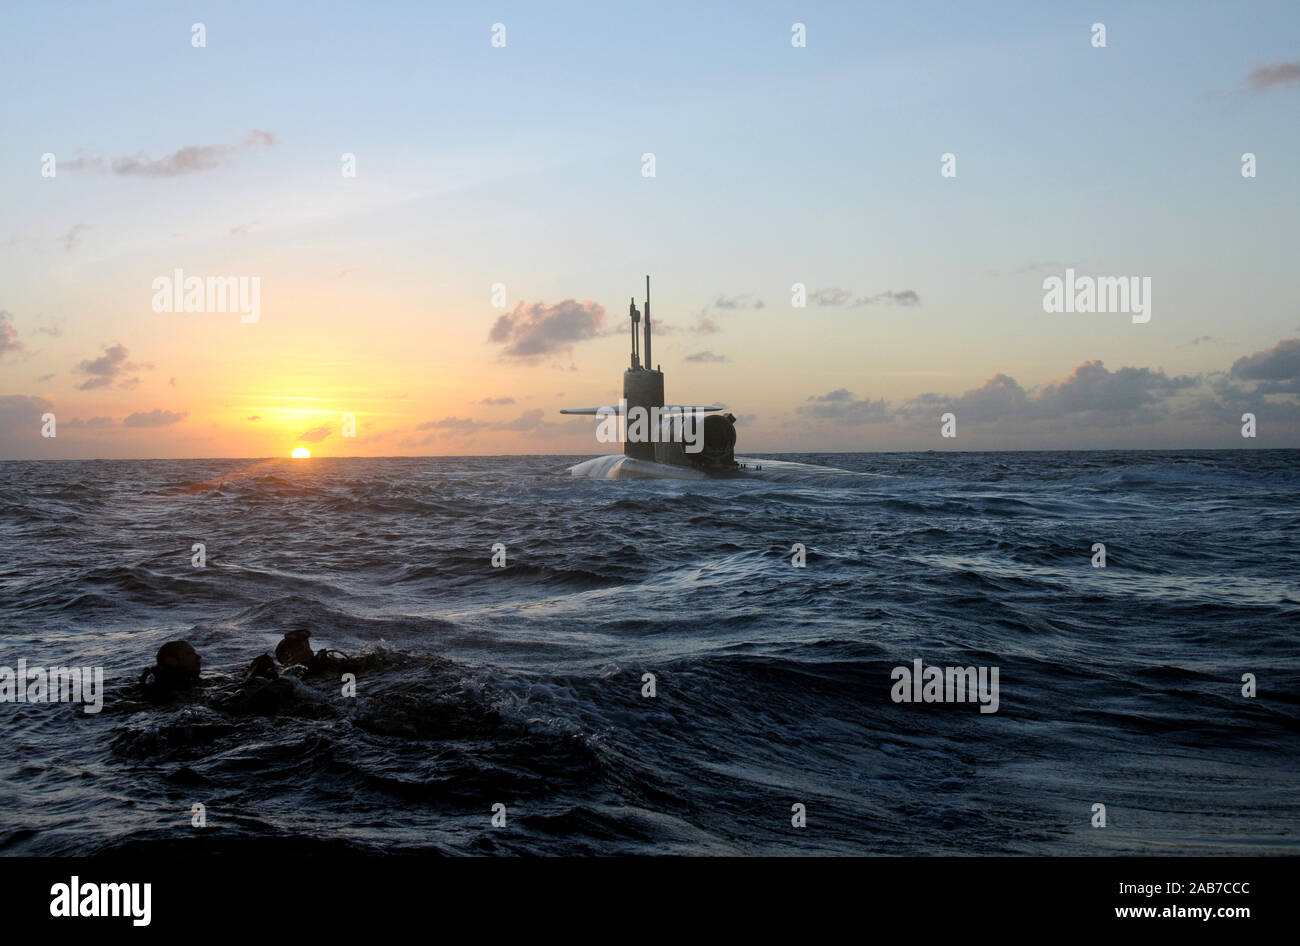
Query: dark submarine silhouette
[671, 441]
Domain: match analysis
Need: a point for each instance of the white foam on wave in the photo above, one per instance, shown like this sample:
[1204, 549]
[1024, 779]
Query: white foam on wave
[619, 467]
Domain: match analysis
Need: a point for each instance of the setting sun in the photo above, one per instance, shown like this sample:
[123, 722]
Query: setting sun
[301, 453]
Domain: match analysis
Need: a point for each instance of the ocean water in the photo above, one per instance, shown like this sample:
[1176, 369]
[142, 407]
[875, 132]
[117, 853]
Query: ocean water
[522, 685]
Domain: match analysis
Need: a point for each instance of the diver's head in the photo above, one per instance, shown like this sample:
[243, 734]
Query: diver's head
[178, 662]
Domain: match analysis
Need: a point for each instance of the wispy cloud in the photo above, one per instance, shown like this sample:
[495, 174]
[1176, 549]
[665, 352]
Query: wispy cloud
[1038, 267]
[192, 159]
[316, 434]
[841, 406]
[69, 239]
[889, 297]
[1274, 74]
[836, 296]
[462, 426]
[154, 418]
[98, 422]
[829, 297]
[528, 420]
[8, 334]
[745, 301]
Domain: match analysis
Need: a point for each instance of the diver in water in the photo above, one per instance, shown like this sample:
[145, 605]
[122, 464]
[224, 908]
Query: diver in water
[294, 650]
[266, 686]
[176, 669]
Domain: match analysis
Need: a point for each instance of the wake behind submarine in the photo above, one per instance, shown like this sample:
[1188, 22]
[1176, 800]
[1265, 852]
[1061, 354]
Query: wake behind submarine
[664, 441]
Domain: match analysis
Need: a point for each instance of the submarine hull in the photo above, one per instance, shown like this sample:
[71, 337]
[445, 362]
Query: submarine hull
[623, 467]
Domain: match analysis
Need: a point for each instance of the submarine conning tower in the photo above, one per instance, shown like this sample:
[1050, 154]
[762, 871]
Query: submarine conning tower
[643, 386]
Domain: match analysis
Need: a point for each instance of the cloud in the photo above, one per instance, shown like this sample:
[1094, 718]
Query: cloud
[69, 239]
[316, 434]
[830, 297]
[8, 334]
[889, 297]
[529, 420]
[535, 330]
[107, 368]
[722, 303]
[457, 424]
[461, 426]
[707, 356]
[1091, 391]
[1039, 266]
[745, 301]
[20, 415]
[1279, 363]
[1276, 73]
[839, 297]
[1001, 396]
[1091, 388]
[1230, 394]
[154, 418]
[497, 400]
[841, 406]
[192, 159]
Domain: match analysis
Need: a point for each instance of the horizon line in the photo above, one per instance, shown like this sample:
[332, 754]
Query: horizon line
[787, 453]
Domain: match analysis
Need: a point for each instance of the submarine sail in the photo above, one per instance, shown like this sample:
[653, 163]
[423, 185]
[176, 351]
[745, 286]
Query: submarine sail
[675, 436]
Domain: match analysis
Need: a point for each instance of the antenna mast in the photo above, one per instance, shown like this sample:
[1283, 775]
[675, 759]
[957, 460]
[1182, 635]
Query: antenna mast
[649, 362]
[635, 317]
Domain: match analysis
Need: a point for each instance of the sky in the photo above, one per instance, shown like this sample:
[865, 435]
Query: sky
[472, 276]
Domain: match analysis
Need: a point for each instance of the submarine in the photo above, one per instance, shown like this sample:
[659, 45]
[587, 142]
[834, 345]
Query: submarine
[659, 440]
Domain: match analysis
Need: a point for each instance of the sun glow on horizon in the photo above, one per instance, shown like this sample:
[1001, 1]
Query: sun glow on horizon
[301, 453]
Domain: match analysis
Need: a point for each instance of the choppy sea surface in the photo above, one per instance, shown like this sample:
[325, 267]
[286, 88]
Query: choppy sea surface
[522, 685]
